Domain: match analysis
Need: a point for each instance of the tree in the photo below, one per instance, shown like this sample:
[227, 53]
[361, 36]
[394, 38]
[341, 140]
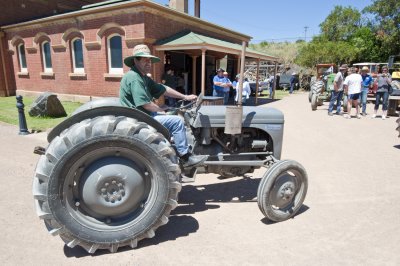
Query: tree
[386, 25]
[341, 24]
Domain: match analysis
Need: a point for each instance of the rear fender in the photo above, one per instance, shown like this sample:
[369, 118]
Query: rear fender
[93, 109]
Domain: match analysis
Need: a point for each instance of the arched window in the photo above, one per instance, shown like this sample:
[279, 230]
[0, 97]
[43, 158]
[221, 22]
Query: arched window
[46, 57]
[77, 55]
[114, 47]
[22, 58]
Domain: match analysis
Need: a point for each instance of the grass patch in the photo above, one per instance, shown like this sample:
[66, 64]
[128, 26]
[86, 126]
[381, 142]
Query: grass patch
[9, 113]
[279, 94]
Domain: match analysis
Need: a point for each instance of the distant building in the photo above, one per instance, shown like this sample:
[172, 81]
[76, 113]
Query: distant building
[79, 54]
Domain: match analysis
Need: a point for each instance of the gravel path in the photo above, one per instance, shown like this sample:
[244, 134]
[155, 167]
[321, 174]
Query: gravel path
[351, 214]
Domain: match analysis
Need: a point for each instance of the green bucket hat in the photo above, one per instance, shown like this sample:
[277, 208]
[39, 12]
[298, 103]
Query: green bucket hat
[140, 50]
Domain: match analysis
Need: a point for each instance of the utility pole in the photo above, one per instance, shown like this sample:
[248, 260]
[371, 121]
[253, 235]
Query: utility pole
[305, 33]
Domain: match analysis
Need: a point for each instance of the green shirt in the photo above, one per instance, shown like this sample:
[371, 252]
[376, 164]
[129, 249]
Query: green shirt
[137, 90]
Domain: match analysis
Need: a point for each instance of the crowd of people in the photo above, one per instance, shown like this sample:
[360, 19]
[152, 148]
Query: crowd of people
[348, 81]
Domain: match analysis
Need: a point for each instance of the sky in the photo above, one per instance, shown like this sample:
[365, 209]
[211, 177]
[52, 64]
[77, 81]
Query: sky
[271, 20]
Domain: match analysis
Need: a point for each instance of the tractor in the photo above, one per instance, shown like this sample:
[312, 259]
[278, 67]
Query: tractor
[110, 175]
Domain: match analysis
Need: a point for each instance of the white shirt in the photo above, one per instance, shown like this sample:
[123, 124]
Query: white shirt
[354, 83]
[245, 92]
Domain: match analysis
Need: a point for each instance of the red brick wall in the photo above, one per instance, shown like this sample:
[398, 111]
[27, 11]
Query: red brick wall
[136, 24]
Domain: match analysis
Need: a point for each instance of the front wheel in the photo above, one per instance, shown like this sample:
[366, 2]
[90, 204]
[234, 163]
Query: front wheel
[106, 183]
[282, 190]
[314, 102]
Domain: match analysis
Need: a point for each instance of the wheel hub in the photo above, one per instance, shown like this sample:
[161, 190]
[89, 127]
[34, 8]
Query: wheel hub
[114, 191]
[112, 187]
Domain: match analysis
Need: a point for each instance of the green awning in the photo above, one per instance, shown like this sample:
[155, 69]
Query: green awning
[195, 41]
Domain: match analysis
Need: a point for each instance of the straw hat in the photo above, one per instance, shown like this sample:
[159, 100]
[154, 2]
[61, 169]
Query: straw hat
[140, 50]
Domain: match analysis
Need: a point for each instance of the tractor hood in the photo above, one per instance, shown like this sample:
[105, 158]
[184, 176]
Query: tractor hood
[214, 116]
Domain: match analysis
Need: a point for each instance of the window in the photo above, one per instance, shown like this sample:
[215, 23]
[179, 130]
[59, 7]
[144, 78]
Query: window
[46, 54]
[77, 55]
[22, 58]
[114, 44]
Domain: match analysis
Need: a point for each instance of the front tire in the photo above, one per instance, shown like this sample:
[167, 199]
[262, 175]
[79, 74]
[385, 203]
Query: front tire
[282, 190]
[314, 102]
[106, 183]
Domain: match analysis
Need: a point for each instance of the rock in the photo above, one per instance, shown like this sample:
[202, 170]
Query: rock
[47, 104]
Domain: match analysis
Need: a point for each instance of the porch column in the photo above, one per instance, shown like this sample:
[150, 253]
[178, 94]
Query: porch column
[257, 78]
[4, 91]
[194, 60]
[238, 65]
[203, 71]
[274, 87]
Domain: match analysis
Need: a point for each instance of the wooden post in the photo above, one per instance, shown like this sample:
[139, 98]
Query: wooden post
[257, 77]
[203, 71]
[240, 87]
[194, 57]
[274, 87]
[3, 61]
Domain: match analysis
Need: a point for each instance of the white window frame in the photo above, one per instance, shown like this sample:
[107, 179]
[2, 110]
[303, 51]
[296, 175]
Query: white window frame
[114, 70]
[22, 69]
[45, 68]
[78, 70]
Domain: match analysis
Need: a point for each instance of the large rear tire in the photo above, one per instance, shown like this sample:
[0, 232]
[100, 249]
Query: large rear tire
[106, 183]
[282, 190]
[345, 101]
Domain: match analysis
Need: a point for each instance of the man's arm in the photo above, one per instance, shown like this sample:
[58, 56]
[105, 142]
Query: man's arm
[176, 94]
[152, 107]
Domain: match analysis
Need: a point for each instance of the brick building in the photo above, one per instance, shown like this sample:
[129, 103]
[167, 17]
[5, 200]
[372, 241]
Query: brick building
[79, 54]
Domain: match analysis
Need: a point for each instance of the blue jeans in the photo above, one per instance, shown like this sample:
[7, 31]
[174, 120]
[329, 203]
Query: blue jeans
[291, 88]
[385, 98]
[270, 91]
[176, 127]
[219, 93]
[363, 96]
[336, 97]
[226, 97]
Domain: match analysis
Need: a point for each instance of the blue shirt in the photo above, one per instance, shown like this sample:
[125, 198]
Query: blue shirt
[219, 79]
[367, 80]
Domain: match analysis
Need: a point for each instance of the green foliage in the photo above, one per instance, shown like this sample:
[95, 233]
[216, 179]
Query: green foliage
[9, 113]
[341, 24]
[386, 25]
[317, 52]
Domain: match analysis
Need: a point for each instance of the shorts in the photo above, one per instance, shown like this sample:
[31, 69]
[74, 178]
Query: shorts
[354, 96]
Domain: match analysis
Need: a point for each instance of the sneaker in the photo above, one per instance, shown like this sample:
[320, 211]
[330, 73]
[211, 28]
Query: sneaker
[373, 116]
[358, 116]
[330, 114]
[346, 116]
[364, 114]
[190, 160]
[383, 117]
[339, 113]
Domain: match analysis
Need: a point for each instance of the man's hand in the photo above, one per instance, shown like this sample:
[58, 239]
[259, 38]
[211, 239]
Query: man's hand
[191, 97]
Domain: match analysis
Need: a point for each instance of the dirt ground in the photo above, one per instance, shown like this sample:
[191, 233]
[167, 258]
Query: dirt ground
[351, 215]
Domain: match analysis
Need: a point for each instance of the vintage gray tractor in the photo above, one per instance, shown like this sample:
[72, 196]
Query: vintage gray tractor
[110, 175]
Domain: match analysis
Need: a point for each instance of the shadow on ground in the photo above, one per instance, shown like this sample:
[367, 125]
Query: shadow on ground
[192, 199]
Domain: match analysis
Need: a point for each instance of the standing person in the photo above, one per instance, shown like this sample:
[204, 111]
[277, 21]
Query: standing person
[245, 92]
[293, 81]
[219, 83]
[168, 79]
[352, 87]
[137, 90]
[227, 87]
[271, 86]
[337, 93]
[383, 81]
[366, 85]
